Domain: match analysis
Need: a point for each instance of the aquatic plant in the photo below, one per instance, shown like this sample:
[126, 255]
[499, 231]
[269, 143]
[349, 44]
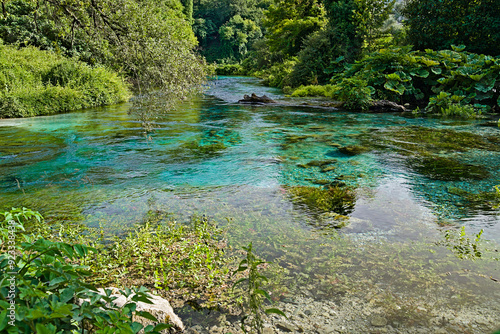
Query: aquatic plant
[336, 199]
[423, 140]
[255, 294]
[462, 245]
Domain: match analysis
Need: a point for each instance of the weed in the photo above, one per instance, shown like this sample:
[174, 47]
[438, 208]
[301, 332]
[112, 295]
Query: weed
[255, 295]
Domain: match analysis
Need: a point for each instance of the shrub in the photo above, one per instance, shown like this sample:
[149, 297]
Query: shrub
[34, 82]
[355, 94]
[449, 105]
[315, 90]
[230, 69]
[402, 75]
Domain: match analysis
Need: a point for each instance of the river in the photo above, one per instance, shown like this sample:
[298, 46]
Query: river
[413, 178]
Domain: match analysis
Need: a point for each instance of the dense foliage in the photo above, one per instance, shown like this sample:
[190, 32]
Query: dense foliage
[227, 29]
[34, 82]
[446, 81]
[151, 42]
[438, 24]
[42, 290]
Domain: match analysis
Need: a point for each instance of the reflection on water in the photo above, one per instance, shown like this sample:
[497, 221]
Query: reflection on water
[215, 157]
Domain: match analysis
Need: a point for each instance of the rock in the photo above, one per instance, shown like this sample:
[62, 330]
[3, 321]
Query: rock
[385, 106]
[254, 99]
[268, 330]
[160, 309]
[328, 330]
[353, 149]
[285, 326]
[378, 321]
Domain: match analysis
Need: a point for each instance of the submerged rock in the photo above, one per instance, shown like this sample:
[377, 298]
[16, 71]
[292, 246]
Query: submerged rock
[254, 99]
[353, 149]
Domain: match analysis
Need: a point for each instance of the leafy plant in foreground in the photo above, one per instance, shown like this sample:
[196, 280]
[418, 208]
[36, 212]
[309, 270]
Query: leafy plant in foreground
[255, 295]
[42, 290]
[463, 246]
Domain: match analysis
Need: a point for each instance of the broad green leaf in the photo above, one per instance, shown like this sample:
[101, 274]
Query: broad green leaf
[42, 329]
[136, 327]
[476, 77]
[161, 327]
[395, 86]
[458, 48]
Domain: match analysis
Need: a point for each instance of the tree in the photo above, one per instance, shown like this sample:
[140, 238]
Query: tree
[438, 24]
[237, 34]
[150, 41]
[289, 22]
[216, 17]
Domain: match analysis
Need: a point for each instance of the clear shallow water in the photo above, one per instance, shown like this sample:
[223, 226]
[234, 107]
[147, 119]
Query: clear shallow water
[213, 156]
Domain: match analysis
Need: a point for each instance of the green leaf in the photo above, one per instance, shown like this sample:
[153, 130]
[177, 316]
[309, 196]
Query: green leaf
[263, 293]
[422, 73]
[395, 86]
[3, 320]
[458, 48]
[42, 329]
[136, 327]
[239, 281]
[147, 315]
[485, 85]
[436, 70]
[161, 327]
[275, 311]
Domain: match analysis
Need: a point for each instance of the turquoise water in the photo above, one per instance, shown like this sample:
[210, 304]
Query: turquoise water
[214, 148]
[215, 157]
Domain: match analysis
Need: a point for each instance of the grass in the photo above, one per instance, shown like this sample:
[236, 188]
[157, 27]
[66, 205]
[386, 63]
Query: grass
[35, 82]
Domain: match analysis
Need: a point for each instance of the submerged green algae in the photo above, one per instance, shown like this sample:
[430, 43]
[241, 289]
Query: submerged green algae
[446, 169]
[417, 139]
[340, 200]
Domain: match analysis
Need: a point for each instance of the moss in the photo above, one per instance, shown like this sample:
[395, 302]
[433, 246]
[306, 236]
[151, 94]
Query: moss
[340, 200]
[446, 169]
[354, 149]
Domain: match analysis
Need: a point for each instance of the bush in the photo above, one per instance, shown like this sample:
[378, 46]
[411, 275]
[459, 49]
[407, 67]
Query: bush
[449, 105]
[230, 69]
[34, 82]
[402, 75]
[277, 75]
[315, 90]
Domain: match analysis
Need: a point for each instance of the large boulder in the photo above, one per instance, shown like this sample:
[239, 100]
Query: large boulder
[160, 308]
[254, 99]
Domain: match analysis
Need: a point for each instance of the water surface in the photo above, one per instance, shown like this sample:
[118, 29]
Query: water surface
[216, 157]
